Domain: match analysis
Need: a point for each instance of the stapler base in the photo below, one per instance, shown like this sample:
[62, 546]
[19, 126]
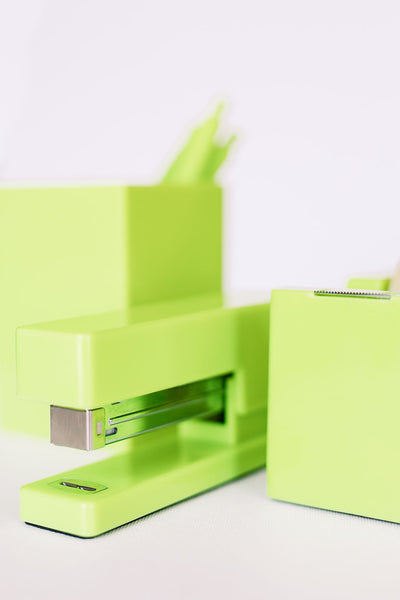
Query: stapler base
[96, 498]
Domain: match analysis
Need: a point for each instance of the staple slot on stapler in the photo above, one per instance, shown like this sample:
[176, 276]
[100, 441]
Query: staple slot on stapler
[91, 429]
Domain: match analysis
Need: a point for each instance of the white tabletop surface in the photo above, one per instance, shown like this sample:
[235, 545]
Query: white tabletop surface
[232, 542]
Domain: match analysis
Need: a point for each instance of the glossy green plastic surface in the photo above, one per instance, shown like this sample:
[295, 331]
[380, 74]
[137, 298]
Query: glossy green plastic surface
[334, 412]
[162, 471]
[73, 251]
[108, 358]
[116, 294]
[87, 363]
[154, 319]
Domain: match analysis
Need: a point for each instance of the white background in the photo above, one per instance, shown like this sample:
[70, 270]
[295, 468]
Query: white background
[95, 90]
[100, 91]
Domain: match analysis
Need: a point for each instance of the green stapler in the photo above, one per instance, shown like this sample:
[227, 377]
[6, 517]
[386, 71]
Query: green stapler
[173, 374]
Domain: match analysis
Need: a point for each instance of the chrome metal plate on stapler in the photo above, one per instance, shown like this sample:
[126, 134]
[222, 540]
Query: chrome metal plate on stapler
[78, 485]
[91, 429]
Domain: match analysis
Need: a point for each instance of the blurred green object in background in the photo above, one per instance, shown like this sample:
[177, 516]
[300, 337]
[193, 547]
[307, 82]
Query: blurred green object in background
[202, 156]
